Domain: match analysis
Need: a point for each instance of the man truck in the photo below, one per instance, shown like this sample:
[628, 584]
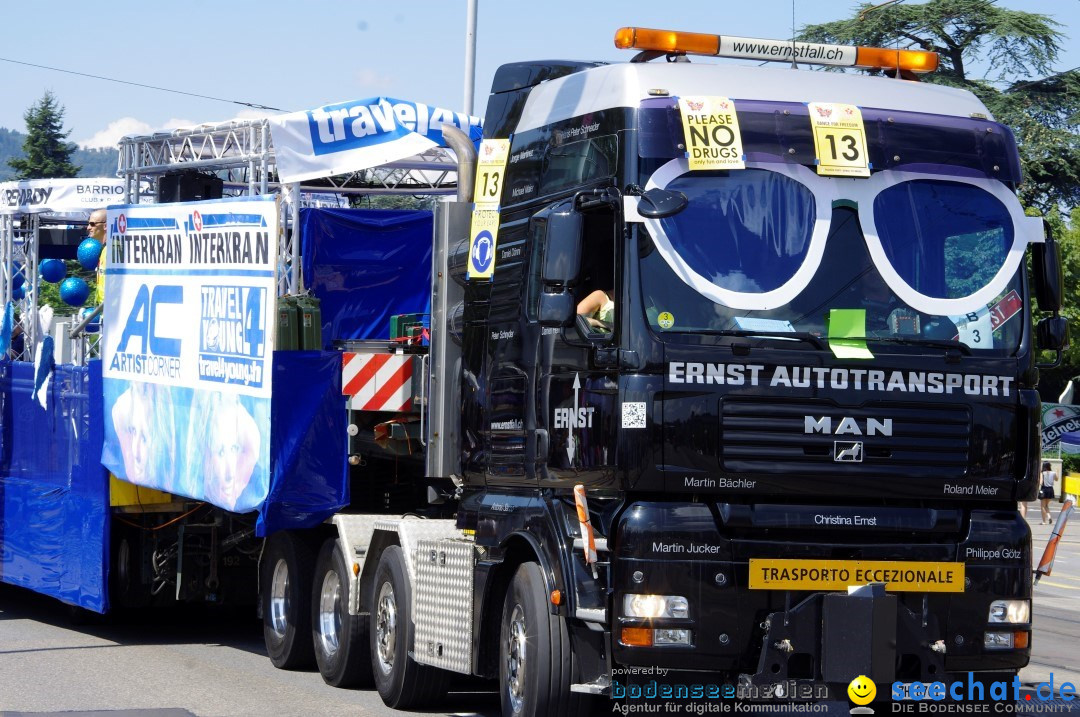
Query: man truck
[787, 452]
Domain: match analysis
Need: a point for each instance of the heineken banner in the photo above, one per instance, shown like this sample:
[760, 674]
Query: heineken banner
[187, 347]
[1059, 419]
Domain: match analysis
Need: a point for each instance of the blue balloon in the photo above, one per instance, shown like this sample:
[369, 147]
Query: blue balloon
[18, 279]
[74, 291]
[94, 326]
[19, 292]
[52, 270]
[89, 253]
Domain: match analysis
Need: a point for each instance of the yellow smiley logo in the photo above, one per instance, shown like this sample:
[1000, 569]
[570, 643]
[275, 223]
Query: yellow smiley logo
[862, 690]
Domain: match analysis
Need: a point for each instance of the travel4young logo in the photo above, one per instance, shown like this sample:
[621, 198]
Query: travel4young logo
[360, 134]
[232, 335]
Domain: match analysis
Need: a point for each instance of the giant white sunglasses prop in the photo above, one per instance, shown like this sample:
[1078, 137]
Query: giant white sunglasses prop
[826, 190]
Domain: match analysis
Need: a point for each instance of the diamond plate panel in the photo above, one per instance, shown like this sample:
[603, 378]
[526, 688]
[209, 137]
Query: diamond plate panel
[354, 536]
[443, 604]
[411, 530]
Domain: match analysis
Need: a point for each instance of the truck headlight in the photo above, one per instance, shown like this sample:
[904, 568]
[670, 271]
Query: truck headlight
[651, 606]
[1010, 611]
[1015, 640]
[671, 637]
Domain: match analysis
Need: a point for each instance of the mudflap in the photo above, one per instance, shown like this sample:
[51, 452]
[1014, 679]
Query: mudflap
[835, 637]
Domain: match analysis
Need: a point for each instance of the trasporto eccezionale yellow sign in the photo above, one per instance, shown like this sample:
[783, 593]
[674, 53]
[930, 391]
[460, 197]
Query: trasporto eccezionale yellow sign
[898, 576]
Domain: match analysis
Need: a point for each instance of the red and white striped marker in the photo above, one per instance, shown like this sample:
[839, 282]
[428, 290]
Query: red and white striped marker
[588, 537]
[377, 382]
[1046, 565]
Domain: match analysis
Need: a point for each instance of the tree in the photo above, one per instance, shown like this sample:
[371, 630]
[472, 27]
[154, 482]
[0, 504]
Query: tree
[1044, 113]
[46, 154]
[1053, 381]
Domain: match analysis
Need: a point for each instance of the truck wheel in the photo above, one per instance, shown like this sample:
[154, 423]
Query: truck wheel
[285, 591]
[535, 660]
[340, 639]
[125, 572]
[401, 682]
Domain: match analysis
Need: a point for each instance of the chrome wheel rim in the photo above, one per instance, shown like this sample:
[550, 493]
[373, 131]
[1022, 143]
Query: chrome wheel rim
[329, 616]
[515, 659]
[386, 627]
[279, 599]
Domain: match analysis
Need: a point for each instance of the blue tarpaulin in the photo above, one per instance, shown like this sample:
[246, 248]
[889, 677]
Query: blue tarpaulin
[54, 493]
[308, 469]
[366, 265]
[1070, 442]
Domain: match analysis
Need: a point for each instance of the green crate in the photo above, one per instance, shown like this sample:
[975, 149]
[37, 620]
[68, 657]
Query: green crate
[406, 325]
[288, 335]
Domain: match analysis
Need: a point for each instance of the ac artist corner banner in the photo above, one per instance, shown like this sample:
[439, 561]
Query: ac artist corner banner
[187, 347]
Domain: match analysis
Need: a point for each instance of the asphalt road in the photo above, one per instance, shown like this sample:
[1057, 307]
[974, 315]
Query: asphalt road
[1055, 646]
[184, 662]
[208, 663]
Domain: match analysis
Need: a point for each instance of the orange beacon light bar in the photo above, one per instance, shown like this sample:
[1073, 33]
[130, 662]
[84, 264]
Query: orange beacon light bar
[749, 48]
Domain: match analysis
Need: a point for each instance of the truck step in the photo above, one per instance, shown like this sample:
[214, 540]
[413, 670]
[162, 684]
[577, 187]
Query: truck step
[601, 544]
[591, 614]
[599, 686]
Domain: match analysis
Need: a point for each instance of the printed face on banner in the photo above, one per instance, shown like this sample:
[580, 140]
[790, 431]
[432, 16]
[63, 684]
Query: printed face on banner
[188, 347]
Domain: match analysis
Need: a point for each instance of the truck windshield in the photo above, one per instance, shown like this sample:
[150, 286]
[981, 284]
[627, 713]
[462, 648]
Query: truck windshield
[756, 251]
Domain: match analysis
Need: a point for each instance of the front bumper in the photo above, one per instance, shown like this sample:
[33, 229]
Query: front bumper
[820, 636]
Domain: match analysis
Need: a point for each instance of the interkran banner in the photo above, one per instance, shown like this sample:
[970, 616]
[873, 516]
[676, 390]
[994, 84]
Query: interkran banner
[187, 347]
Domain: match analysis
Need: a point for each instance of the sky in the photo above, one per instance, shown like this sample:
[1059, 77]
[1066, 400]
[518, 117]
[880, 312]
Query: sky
[304, 54]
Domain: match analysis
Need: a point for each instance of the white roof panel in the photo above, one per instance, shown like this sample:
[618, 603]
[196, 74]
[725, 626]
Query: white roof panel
[625, 85]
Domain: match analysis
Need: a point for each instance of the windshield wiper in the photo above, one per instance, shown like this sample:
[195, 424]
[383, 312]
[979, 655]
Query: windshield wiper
[905, 341]
[782, 335]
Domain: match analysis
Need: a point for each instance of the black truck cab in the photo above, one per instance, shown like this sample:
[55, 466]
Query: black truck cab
[803, 382]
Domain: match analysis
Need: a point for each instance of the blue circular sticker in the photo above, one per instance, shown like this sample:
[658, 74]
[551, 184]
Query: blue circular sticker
[482, 252]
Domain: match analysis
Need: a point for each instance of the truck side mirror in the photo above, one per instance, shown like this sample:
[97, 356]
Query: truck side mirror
[1046, 266]
[556, 309]
[659, 203]
[1052, 333]
[560, 228]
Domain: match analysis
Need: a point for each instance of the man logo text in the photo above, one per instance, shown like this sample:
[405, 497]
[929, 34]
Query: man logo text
[847, 426]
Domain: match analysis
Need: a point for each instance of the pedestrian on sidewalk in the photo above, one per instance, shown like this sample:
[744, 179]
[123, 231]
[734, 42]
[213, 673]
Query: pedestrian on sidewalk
[1046, 492]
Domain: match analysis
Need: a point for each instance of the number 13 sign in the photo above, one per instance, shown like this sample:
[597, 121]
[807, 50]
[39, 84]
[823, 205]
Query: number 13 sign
[839, 140]
[490, 169]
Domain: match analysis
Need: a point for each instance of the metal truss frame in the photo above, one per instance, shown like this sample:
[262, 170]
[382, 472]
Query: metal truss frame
[19, 246]
[241, 152]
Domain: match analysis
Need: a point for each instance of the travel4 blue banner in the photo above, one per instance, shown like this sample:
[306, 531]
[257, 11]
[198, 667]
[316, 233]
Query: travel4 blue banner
[350, 136]
[187, 347]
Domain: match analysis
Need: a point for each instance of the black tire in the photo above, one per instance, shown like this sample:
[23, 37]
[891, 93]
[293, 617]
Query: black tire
[285, 593]
[126, 587]
[342, 649]
[402, 683]
[539, 684]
